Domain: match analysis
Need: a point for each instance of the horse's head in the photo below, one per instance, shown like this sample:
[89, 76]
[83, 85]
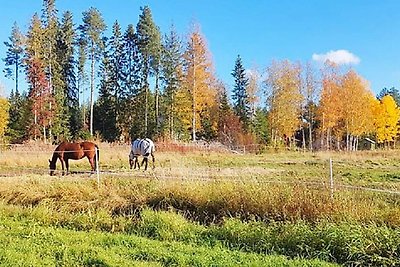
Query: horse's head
[52, 167]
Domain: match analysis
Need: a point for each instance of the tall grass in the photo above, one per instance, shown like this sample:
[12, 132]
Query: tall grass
[206, 202]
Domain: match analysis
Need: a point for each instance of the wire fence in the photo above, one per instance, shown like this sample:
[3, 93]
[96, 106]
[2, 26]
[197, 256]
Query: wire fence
[34, 156]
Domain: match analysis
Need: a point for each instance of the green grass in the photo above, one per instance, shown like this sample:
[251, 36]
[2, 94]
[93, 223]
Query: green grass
[26, 243]
[347, 243]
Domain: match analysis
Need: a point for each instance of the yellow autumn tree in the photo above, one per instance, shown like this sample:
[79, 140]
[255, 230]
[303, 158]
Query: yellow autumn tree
[330, 108]
[200, 83]
[284, 99]
[356, 109]
[4, 115]
[387, 115]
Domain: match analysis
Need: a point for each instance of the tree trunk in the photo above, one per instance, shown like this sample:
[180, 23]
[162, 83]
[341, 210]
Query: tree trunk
[304, 138]
[146, 112]
[194, 102]
[91, 92]
[157, 104]
[310, 139]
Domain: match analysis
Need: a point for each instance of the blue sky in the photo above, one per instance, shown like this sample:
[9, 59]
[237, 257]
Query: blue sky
[364, 35]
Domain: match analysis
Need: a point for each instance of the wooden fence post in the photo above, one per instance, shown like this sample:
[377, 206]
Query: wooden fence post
[97, 166]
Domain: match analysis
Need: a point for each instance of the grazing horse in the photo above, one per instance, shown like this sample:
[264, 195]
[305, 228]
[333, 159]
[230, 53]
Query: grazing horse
[66, 151]
[141, 147]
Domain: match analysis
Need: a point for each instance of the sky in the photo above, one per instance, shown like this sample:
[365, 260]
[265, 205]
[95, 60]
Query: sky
[359, 34]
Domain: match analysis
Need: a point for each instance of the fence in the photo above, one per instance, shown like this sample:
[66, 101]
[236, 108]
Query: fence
[21, 160]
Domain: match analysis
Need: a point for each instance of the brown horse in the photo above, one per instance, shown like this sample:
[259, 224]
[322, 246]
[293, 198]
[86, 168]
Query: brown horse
[66, 151]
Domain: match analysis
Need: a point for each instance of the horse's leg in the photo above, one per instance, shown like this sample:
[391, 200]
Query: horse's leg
[67, 166]
[152, 156]
[130, 160]
[137, 162]
[62, 165]
[91, 161]
[145, 160]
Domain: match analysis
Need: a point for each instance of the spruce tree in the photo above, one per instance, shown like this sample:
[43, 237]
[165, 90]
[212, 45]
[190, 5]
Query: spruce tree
[149, 43]
[239, 94]
[66, 56]
[172, 63]
[16, 130]
[105, 107]
[131, 117]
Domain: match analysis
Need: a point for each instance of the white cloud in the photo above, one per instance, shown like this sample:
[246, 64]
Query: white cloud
[340, 57]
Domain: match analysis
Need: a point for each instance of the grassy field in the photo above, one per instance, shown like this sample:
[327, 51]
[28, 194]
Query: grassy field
[202, 208]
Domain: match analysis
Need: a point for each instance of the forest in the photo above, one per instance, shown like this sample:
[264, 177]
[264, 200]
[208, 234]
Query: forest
[140, 82]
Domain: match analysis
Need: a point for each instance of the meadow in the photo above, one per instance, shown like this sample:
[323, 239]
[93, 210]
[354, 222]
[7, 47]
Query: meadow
[201, 207]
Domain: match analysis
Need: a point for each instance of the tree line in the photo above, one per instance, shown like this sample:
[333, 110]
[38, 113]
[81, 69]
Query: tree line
[164, 86]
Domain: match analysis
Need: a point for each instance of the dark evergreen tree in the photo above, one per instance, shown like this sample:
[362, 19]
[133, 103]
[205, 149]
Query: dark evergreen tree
[117, 62]
[66, 56]
[132, 75]
[17, 125]
[111, 90]
[172, 69]
[149, 43]
[260, 126]
[239, 94]
[14, 55]
[392, 92]
[105, 107]
[81, 84]
[225, 108]
[130, 114]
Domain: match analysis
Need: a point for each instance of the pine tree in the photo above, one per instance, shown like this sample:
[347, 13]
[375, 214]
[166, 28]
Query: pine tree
[14, 55]
[91, 36]
[53, 69]
[239, 94]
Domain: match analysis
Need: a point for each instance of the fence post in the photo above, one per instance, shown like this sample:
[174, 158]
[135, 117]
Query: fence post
[331, 177]
[97, 166]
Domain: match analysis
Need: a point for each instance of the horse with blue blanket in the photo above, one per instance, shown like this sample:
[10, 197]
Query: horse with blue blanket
[141, 147]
